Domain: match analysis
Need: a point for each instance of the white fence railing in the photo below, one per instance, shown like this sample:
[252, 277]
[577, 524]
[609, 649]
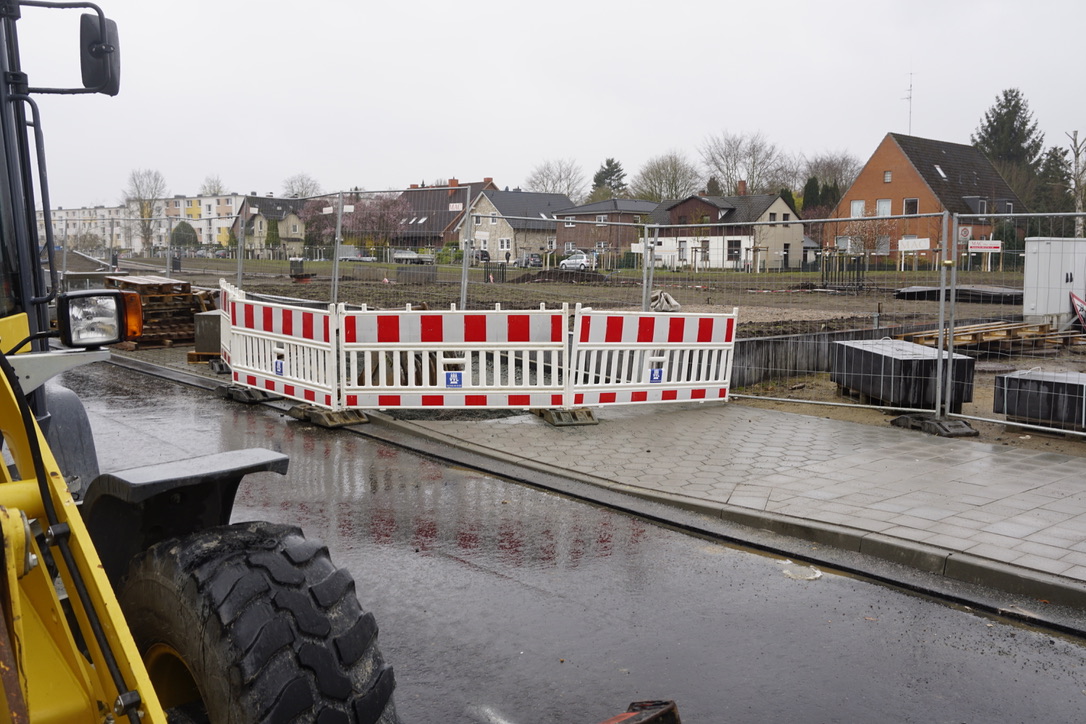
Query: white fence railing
[367, 359]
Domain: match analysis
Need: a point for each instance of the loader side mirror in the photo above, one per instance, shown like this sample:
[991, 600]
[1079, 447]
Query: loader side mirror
[99, 54]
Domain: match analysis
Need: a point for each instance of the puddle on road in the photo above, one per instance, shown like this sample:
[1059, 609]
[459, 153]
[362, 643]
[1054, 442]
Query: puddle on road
[799, 572]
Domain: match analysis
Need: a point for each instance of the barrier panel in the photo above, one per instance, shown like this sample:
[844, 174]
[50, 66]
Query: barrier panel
[283, 350]
[424, 358]
[642, 357]
[227, 293]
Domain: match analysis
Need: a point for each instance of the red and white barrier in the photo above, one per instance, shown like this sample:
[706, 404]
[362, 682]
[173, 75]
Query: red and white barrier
[283, 350]
[642, 357]
[363, 359]
[423, 358]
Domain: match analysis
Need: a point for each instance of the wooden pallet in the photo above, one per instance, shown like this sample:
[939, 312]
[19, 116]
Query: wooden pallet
[196, 358]
[169, 308]
[149, 285]
[1001, 335]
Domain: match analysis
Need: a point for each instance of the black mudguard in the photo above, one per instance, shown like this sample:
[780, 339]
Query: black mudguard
[128, 511]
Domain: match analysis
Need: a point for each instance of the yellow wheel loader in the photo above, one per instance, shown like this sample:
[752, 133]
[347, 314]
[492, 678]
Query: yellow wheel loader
[128, 596]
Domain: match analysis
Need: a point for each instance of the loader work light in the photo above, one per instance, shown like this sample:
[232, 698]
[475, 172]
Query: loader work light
[97, 317]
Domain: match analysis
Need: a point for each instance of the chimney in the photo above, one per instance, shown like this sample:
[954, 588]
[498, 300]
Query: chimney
[271, 194]
[413, 186]
[487, 180]
[742, 191]
[454, 182]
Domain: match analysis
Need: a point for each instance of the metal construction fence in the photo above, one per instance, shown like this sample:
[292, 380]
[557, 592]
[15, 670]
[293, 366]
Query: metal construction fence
[992, 288]
[341, 358]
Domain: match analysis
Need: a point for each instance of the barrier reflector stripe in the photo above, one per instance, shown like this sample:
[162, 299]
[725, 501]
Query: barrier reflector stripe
[634, 396]
[431, 328]
[558, 328]
[388, 329]
[293, 391]
[675, 330]
[418, 401]
[475, 328]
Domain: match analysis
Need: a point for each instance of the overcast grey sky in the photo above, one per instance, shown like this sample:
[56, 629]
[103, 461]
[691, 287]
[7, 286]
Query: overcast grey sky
[385, 94]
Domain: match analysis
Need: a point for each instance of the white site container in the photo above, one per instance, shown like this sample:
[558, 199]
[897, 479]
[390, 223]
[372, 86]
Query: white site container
[1054, 268]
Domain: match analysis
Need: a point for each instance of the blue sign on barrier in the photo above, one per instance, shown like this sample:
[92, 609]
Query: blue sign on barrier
[279, 367]
[656, 375]
[454, 379]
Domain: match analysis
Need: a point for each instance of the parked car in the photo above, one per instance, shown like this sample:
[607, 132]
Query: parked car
[480, 255]
[408, 256]
[358, 258]
[528, 260]
[578, 260]
[222, 254]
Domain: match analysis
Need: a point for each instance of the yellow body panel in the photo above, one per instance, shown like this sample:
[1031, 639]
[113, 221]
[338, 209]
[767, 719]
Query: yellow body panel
[59, 683]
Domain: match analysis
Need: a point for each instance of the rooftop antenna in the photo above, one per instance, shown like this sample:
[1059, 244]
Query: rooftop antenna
[909, 98]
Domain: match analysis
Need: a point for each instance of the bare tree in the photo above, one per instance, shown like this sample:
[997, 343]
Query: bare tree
[558, 176]
[301, 186]
[838, 168]
[1078, 177]
[868, 236]
[146, 187]
[749, 157]
[669, 176]
[212, 186]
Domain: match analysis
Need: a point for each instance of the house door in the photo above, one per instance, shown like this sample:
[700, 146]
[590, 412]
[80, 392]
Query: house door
[784, 257]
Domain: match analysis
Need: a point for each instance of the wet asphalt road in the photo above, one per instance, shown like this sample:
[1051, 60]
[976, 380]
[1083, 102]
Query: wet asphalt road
[501, 603]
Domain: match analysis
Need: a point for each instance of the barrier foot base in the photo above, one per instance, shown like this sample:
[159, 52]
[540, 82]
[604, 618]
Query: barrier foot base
[934, 426]
[246, 395]
[328, 418]
[565, 418]
[218, 366]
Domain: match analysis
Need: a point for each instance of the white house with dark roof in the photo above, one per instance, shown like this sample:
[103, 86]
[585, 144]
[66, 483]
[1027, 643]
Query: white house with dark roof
[512, 222]
[756, 233]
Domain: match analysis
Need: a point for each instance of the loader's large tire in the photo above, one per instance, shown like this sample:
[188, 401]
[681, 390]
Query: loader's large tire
[252, 623]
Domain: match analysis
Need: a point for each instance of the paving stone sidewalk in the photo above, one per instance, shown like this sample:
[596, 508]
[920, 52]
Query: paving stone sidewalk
[1005, 505]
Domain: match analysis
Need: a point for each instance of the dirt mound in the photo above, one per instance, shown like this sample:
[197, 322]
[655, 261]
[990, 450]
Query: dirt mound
[566, 276]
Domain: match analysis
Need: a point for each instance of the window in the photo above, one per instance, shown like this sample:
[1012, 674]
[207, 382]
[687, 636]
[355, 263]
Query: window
[637, 218]
[772, 216]
[493, 219]
[570, 246]
[552, 242]
[940, 171]
[911, 206]
[982, 206]
[857, 209]
[684, 219]
[294, 229]
[504, 244]
[842, 243]
[786, 217]
[601, 219]
[569, 222]
[735, 246]
[208, 207]
[882, 207]
[882, 244]
[478, 220]
[887, 176]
